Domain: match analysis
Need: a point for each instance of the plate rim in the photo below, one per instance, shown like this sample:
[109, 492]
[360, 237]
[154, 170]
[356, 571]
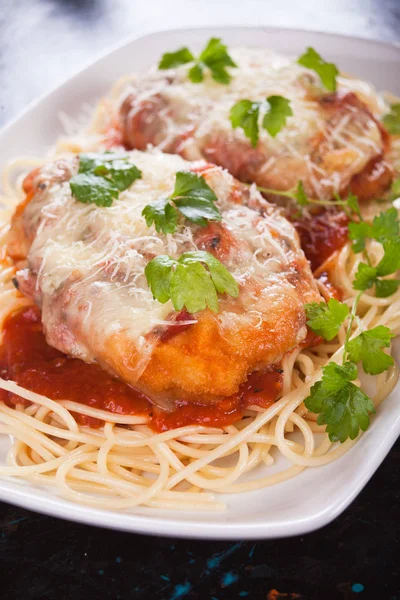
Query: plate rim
[149, 32]
[56, 506]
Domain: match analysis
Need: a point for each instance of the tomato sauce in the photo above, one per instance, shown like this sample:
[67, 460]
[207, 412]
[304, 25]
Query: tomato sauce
[330, 288]
[261, 389]
[27, 359]
[322, 235]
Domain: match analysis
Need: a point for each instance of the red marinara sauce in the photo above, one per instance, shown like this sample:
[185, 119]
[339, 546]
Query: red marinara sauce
[27, 359]
[322, 234]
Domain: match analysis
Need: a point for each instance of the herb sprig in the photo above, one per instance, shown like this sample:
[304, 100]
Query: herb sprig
[246, 114]
[340, 404]
[385, 230]
[392, 120]
[214, 57]
[192, 281]
[101, 177]
[192, 197]
[327, 72]
[298, 195]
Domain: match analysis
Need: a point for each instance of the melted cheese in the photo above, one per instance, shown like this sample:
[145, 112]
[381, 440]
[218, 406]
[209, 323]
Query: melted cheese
[349, 143]
[89, 261]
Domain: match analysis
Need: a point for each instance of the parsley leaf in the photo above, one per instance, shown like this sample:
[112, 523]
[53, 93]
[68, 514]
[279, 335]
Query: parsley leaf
[386, 287]
[192, 197]
[392, 120]
[326, 319]
[365, 277]
[352, 203]
[120, 171]
[101, 177]
[390, 262]
[214, 56]
[385, 226]
[195, 199]
[222, 279]
[92, 189]
[162, 214]
[159, 273]
[195, 278]
[187, 282]
[245, 114]
[341, 405]
[367, 348]
[278, 112]
[385, 230]
[300, 195]
[195, 74]
[327, 71]
[359, 232]
[170, 60]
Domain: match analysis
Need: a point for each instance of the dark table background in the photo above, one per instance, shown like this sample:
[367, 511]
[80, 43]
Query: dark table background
[42, 42]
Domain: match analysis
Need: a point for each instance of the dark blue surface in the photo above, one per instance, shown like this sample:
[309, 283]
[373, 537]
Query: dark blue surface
[356, 557]
[41, 558]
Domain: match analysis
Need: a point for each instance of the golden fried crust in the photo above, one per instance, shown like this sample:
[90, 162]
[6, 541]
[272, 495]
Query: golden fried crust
[220, 365]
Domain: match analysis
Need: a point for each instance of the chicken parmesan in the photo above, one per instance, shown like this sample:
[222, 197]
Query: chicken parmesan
[209, 266]
[85, 269]
[332, 141]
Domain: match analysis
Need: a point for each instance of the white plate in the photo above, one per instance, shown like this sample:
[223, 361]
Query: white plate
[316, 496]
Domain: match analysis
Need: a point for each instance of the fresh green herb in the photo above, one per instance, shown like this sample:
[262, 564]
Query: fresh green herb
[192, 197]
[390, 262]
[326, 319]
[358, 233]
[384, 227]
[392, 120]
[92, 189]
[365, 277]
[367, 348]
[195, 199]
[352, 203]
[188, 283]
[395, 189]
[214, 57]
[276, 115]
[300, 196]
[101, 177]
[327, 72]
[386, 287]
[340, 404]
[170, 60]
[163, 214]
[368, 276]
[245, 114]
